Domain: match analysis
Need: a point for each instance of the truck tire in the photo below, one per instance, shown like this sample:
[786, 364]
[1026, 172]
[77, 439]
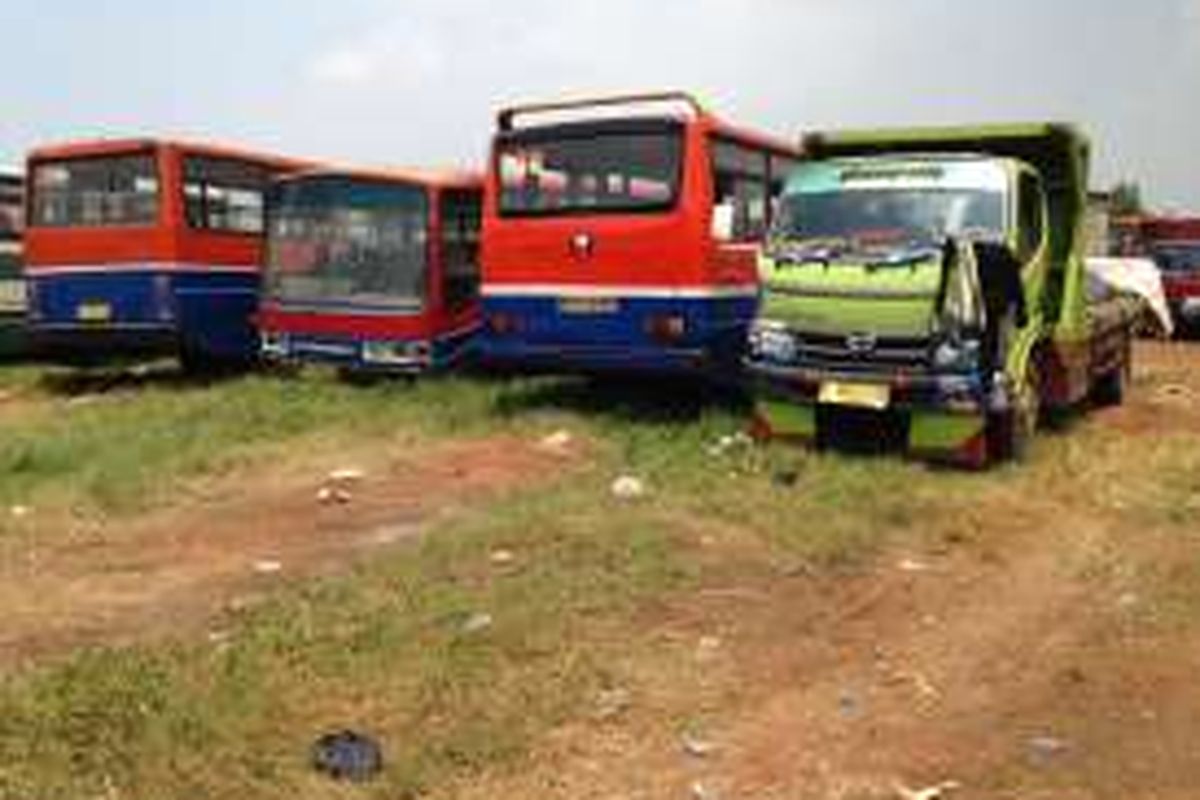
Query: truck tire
[1109, 389]
[1010, 433]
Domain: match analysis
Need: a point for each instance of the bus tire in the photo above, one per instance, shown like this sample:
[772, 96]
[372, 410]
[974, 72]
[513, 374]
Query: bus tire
[203, 364]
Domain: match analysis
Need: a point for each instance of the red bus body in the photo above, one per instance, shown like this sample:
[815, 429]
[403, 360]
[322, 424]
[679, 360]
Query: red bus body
[651, 289]
[384, 333]
[178, 279]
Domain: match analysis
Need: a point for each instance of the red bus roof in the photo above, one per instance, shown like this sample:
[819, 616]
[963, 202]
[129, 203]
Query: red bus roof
[102, 147]
[448, 178]
[697, 110]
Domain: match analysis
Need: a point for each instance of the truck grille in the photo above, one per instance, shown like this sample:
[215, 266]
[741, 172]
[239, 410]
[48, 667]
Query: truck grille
[855, 353]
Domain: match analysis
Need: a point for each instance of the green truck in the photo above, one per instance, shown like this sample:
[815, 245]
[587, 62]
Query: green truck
[926, 288]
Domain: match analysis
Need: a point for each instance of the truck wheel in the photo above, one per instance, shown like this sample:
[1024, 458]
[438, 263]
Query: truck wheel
[1109, 389]
[1010, 433]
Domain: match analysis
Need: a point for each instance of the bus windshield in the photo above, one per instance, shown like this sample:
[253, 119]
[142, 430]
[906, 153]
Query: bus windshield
[96, 191]
[345, 240]
[903, 215]
[590, 169]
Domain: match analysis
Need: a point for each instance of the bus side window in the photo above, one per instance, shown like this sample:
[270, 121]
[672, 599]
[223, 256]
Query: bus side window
[781, 169]
[740, 192]
[222, 194]
[461, 213]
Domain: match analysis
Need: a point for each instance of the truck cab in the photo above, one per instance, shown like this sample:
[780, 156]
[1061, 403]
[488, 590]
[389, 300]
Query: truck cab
[928, 286]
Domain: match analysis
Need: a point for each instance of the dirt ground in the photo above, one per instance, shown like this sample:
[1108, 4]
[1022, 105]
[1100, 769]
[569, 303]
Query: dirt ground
[235, 538]
[1023, 659]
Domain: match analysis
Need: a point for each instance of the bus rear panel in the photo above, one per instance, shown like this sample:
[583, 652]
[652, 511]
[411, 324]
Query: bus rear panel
[139, 249]
[372, 272]
[599, 246]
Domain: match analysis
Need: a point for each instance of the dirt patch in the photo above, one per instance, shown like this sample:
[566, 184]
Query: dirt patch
[1166, 382]
[238, 536]
[1029, 659]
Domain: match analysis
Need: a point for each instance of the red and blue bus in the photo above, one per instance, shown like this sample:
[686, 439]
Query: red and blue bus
[146, 247]
[372, 271]
[622, 233]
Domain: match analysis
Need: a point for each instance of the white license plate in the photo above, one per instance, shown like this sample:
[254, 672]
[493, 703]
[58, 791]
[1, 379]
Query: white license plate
[589, 305]
[856, 395]
[93, 312]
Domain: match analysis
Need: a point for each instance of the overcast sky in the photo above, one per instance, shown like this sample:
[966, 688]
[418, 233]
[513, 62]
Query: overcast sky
[416, 81]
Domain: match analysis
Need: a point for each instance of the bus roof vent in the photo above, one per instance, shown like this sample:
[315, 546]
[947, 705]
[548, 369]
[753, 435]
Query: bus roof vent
[605, 106]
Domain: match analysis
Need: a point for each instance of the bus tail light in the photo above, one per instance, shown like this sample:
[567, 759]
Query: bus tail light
[503, 324]
[666, 327]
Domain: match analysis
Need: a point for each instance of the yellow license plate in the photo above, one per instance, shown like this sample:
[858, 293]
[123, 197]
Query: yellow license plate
[856, 395]
[589, 305]
[93, 312]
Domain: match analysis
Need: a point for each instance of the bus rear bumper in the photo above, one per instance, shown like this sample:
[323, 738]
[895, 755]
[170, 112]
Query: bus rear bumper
[398, 356]
[80, 343]
[593, 358]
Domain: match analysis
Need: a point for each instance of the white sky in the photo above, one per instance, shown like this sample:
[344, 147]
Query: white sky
[417, 81]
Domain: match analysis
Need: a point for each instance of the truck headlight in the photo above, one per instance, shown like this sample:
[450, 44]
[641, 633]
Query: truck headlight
[773, 342]
[956, 355]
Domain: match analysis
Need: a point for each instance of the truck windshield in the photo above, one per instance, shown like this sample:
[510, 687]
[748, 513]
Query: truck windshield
[891, 215]
[96, 192]
[340, 240]
[1178, 257]
[589, 170]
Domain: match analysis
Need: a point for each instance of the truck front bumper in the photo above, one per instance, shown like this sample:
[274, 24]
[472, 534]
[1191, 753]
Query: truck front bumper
[939, 417]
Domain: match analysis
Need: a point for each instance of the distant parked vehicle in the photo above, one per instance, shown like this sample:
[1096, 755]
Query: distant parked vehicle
[621, 233]
[146, 247]
[1174, 244]
[372, 271]
[12, 283]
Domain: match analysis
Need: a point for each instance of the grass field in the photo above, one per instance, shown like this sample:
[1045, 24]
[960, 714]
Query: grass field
[463, 663]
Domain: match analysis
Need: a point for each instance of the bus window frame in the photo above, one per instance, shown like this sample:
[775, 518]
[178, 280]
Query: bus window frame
[769, 156]
[445, 196]
[271, 171]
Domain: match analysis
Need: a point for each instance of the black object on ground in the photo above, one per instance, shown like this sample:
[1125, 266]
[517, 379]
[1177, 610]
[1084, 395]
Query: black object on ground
[347, 756]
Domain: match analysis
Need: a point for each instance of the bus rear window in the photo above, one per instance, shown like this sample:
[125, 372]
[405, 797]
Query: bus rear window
[589, 172]
[96, 192]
